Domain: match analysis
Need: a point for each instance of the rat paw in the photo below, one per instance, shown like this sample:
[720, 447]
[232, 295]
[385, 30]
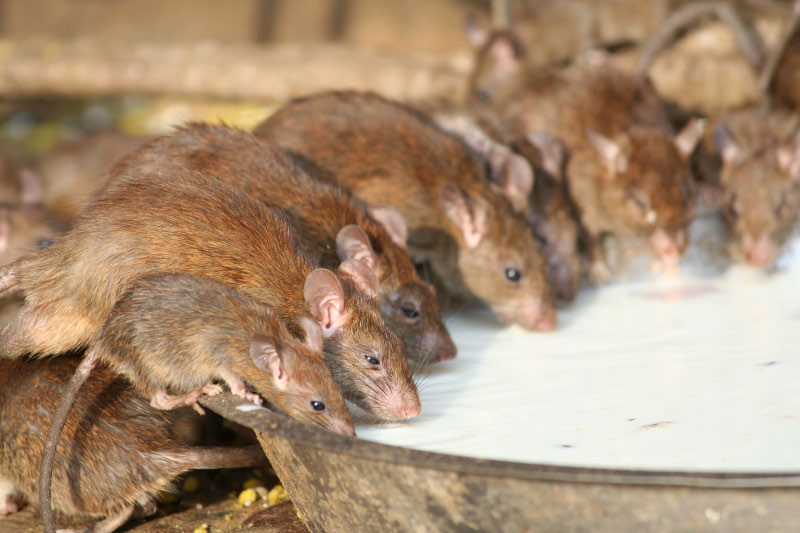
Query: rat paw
[212, 389]
[11, 501]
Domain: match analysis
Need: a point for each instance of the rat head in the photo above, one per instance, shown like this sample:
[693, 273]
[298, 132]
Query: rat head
[498, 260]
[24, 228]
[364, 356]
[761, 195]
[409, 308]
[499, 65]
[646, 184]
[305, 389]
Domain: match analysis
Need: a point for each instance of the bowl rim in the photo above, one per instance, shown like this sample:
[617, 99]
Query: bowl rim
[275, 424]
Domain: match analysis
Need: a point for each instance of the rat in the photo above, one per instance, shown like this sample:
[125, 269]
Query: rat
[173, 335]
[549, 208]
[118, 452]
[321, 210]
[23, 228]
[760, 181]
[387, 152]
[751, 158]
[627, 171]
[160, 217]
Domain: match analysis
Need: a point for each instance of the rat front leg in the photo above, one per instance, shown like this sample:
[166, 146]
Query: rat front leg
[11, 501]
[238, 387]
[163, 400]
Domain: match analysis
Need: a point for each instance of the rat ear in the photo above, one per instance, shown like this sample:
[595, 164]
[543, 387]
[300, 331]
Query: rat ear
[468, 215]
[516, 180]
[505, 53]
[360, 275]
[610, 151]
[31, 188]
[550, 152]
[353, 243]
[789, 159]
[725, 143]
[477, 35]
[268, 358]
[312, 331]
[686, 140]
[325, 299]
[392, 221]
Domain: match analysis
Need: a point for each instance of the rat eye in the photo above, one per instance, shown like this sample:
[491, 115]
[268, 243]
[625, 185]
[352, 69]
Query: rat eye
[512, 274]
[410, 312]
[317, 405]
[371, 360]
[484, 94]
[733, 211]
[45, 243]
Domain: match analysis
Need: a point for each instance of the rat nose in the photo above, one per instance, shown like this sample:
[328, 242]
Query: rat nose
[759, 253]
[669, 248]
[438, 346]
[533, 315]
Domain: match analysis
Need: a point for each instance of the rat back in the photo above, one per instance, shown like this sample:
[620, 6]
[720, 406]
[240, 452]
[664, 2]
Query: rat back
[385, 152]
[321, 208]
[116, 447]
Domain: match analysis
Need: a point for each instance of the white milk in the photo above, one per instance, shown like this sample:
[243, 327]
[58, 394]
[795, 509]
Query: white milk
[699, 372]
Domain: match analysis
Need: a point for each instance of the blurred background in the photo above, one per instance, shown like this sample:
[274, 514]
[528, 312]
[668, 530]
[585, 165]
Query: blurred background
[70, 66]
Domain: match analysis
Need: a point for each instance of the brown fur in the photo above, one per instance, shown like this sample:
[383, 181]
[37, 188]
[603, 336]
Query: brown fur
[321, 209]
[586, 97]
[155, 216]
[384, 152]
[178, 333]
[760, 197]
[23, 228]
[117, 450]
[549, 208]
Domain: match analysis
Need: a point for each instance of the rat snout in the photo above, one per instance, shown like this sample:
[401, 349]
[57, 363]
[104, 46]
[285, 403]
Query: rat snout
[669, 248]
[342, 427]
[759, 253]
[437, 346]
[534, 315]
[398, 404]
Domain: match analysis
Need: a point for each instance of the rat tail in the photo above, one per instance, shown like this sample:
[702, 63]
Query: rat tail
[213, 457]
[54, 435]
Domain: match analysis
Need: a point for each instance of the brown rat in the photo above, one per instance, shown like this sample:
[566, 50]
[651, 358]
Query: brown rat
[23, 228]
[760, 180]
[385, 152]
[159, 217]
[549, 208]
[322, 209]
[626, 171]
[172, 335]
[755, 159]
[117, 454]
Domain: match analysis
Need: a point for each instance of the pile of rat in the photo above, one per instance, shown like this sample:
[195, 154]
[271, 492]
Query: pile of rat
[304, 264]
